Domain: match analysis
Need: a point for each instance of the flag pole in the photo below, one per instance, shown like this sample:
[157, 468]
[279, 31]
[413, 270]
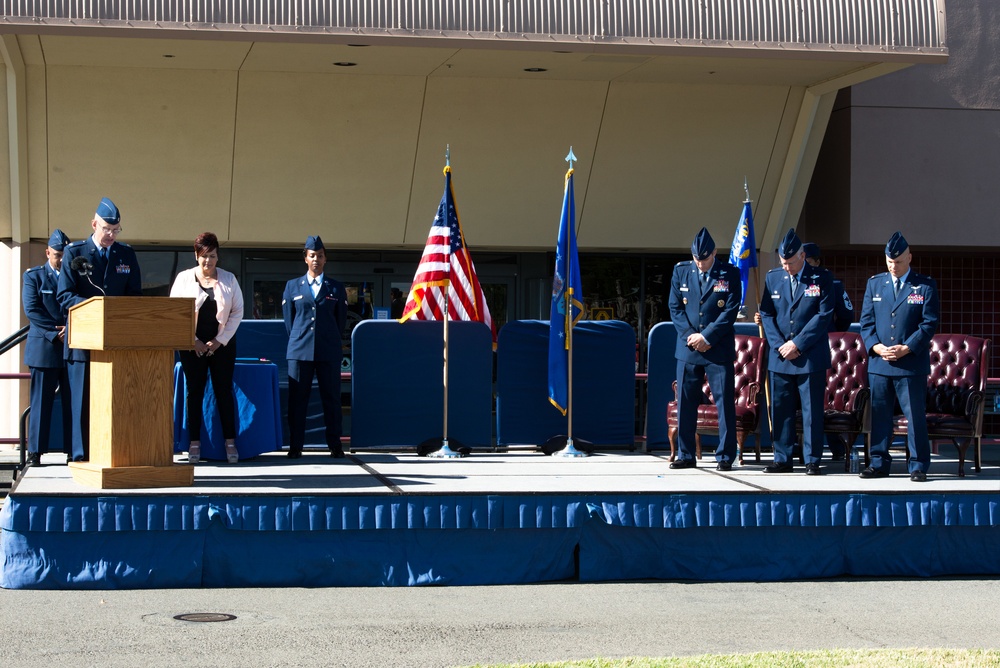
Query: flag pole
[760, 324]
[445, 451]
[570, 450]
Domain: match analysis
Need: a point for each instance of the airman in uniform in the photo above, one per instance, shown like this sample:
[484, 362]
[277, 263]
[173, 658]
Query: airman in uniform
[704, 301]
[898, 319]
[796, 310]
[315, 312]
[43, 350]
[98, 266]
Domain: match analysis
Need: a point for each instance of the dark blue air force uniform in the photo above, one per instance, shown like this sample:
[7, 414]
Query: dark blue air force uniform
[314, 326]
[43, 355]
[803, 317]
[709, 308]
[909, 318]
[117, 276]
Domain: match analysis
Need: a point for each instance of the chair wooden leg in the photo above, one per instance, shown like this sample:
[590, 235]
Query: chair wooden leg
[697, 446]
[756, 448]
[979, 455]
[962, 444]
[672, 437]
[741, 437]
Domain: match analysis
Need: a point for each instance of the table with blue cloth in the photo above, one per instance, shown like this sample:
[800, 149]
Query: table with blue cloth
[258, 412]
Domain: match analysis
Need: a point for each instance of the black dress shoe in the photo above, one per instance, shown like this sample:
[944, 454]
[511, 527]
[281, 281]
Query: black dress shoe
[871, 472]
[783, 467]
[337, 454]
[294, 454]
[813, 469]
[683, 464]
[918, 476]
[33, 459]
[724, 466]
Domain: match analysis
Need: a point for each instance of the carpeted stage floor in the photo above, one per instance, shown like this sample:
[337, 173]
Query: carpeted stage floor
[379, 518]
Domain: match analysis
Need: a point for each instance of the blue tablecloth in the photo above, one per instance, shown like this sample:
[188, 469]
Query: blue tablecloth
[258, 412]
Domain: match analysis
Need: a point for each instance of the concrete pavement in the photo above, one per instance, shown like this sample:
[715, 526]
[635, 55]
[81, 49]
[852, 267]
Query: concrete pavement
[456, 626]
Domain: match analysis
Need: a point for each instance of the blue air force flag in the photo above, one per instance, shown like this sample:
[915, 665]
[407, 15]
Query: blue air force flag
[743, 254]
[567, 309]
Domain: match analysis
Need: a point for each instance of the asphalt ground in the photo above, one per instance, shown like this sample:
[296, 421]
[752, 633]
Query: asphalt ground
[461, 626]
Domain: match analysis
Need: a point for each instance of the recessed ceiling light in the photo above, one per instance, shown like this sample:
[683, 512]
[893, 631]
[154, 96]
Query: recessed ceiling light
[359, 45]
[168, 55]
[345, 64]
[535, 69]
[562, 52]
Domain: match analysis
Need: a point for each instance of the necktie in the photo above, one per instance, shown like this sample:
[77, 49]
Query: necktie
[895, 287]
[315, 287]
[795, 283]
[704, 278]
[104, 254]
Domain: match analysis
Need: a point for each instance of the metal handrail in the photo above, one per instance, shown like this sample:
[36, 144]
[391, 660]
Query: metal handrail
[14, 339]
[853, 25]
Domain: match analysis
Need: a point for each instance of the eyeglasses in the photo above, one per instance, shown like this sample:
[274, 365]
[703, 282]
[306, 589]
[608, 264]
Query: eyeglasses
[110, 231]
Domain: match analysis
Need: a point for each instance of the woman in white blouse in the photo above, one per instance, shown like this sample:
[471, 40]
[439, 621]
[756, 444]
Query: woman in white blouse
[218, 312]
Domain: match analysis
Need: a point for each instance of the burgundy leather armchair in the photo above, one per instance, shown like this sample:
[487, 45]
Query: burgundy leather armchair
[847, 401]
[956, 389]
[750, 368]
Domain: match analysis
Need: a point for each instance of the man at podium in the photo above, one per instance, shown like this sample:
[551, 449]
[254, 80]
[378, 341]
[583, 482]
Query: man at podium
[98, 266]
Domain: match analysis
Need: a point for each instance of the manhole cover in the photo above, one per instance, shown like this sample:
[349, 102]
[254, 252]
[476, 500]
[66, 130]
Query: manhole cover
[205, 617]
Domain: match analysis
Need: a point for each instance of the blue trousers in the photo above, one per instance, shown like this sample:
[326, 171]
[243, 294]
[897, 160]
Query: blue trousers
[300, 377]
[722, 381]
[788, 392]
[43, 396]
[79, 384]
[911, 392]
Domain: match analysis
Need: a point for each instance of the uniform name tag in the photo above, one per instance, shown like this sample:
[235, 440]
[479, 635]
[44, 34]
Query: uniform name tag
[915, 299]
[296, 298]
[876, 299]
[775, 295]
[682, 289]
[812, 291]
[46, 292]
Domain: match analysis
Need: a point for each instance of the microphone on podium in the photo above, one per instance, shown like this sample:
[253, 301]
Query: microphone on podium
[83, 267]
[80, 265]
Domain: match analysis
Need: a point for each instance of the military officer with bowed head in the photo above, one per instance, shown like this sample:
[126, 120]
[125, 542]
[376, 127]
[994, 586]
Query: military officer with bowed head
[315, 312]
[796, 310]
[898, 318]
[98, 266]
[704, 302]
[43, 350]
[843, 316]
[843, 309]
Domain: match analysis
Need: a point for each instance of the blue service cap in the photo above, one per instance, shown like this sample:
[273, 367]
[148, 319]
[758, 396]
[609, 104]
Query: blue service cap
[703, 245]
[790, 245]
[896, 245]
[811, 249]
[314, 243]
[109, 212]
[58, 240]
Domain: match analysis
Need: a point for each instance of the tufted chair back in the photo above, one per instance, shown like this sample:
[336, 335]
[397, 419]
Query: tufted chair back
[958, 368]
[848, 373]
[750, 369]
[955, 394]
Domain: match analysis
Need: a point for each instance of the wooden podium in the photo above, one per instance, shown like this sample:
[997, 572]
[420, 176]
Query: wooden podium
[132, 342]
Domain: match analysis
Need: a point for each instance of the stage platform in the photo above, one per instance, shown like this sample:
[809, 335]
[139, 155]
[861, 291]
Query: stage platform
[377, 518]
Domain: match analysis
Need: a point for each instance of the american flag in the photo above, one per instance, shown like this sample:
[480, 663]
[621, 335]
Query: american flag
[446, 262]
